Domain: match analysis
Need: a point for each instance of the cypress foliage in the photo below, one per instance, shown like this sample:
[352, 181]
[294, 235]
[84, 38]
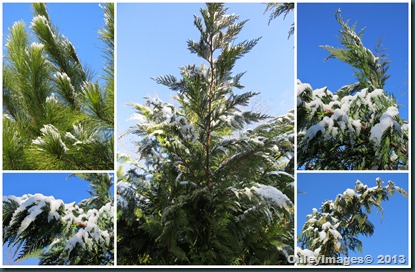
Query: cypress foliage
[277, 9]
[205, 189]
[63, 234]
[333, 230]
[358, 127]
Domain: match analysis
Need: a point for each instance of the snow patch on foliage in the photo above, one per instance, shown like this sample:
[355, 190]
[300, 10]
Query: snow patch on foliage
[345, 118]
[50, 139]
[385, 122]
[274, 195]
[68, 214]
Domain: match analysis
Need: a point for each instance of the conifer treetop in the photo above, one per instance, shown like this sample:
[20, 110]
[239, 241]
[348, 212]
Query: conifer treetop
[332, 230]
[357, 126]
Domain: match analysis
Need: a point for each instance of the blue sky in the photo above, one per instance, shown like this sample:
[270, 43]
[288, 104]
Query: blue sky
[152, 42]
[48, 184]
[317, 26]
[391, 232]
[77, 21]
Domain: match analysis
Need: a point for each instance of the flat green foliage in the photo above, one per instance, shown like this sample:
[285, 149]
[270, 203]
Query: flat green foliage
[358, 127]
[333, 230]
[62, 234]
[204, 188]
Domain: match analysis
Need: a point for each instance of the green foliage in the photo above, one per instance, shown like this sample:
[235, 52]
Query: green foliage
[369, 69]
[358, 127]
[334, 229]
[205, 189]
[55, 117]
[59, 233]
[277, 9]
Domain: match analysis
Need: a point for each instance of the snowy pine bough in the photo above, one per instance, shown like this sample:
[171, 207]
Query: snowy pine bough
[358, 126]
[54, 116]
[60, 233]
[203, 188]
[332, 230]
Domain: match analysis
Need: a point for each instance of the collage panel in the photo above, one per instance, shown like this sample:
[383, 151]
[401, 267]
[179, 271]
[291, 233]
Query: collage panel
[58, 86]
[353, 219]
[210, 163]
[58, 219]
[352, 88]
[207, 173]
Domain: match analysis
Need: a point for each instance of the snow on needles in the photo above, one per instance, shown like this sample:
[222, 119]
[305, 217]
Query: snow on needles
[274, 195]
[67, 214]
[385, 122]
[348, 114]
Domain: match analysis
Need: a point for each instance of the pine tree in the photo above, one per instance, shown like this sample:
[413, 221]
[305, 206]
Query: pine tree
[333, 230]
[61, 233]
[54, 116]
[204, 189]
[357, 127]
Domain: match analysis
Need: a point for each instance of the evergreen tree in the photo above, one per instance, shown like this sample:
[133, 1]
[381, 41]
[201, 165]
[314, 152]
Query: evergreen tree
[54, 116]
[333, 230]
[357, 127]
[204, 189]
[63, 234]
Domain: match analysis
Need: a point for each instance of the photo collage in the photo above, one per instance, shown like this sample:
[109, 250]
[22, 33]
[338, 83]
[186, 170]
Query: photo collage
[222, 135]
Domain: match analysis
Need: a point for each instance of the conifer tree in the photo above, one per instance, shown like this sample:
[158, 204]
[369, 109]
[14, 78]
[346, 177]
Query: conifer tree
[61, 233]
[333, 230]
[54, 115]
[204, 188]
[358, 126]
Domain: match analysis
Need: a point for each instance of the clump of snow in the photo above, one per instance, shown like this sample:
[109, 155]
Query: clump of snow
[393, 156]
[349, 192]
[301, 87]
[81, 136]
[385, 122]
[50, 135]
[274, 195]
[37, 46]
[326, 225]
[51, 98]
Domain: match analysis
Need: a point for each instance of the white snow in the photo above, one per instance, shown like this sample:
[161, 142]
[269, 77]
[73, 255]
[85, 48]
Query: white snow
[273, 194]
[393, 156]
[62, 76]
[335, 234]
[51, 98]
[301, 87]
[322, 235]
[385, 122]
[50, 134]
[39, 19]
[37, 46]
[281, 173]
[34, 211]
[327, 225]
[349, 192]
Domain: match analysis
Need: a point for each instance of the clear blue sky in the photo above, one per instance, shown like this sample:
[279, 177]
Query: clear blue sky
[391, 232]
[317, 26]
[79, 22]
[48, 184]
[152, 42]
